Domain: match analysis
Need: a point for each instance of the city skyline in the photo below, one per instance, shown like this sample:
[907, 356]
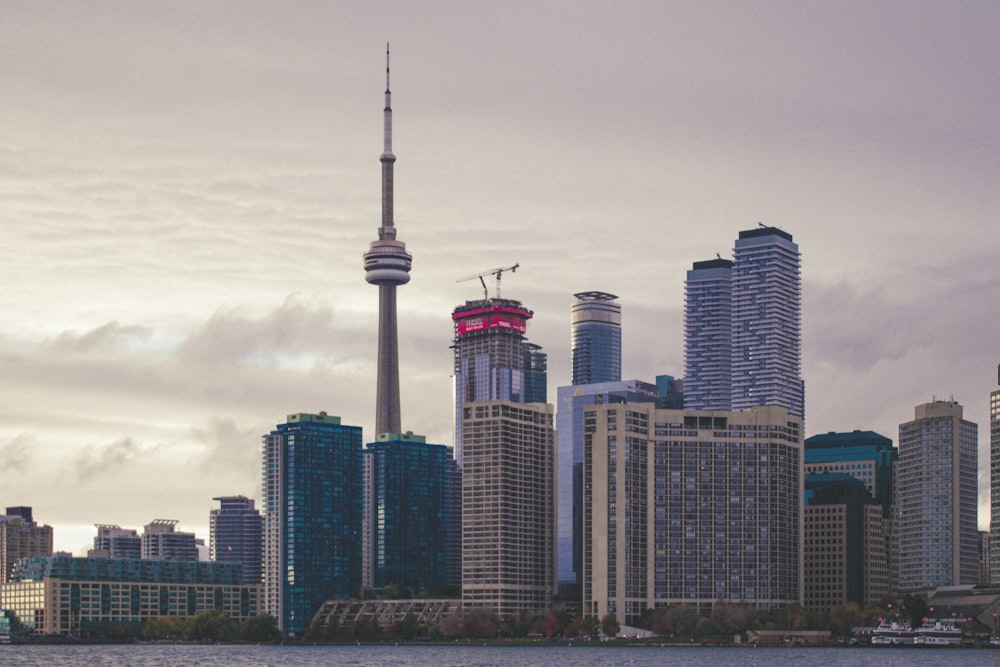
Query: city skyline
[189, 192]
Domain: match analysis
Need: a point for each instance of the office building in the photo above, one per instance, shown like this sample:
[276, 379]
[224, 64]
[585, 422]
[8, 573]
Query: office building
[596, 338]
[162, 541]
[21, 537]
[845, 543]
[690, 507]
[312, 502]
[65, 596]
[236, 535]
[536, 375]
[937, 491]
[508, 506]
[490, 351]
[387, 265]
[113, 541]
[708, 335]
[572, 401]
[995, 483]
[767, 322]
[406, 513]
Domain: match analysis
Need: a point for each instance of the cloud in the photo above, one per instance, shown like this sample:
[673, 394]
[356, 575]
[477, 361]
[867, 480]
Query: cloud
[97, 461]
[18, 452]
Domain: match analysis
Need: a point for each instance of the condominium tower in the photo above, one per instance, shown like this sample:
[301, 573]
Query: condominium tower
[387, 264]
[596, 325]
[743, 327]
[508, 506]
[236, 535]
[994, 541]
[490, 352]
[21, 537]
[312, 501]
[937, 490]
[690, 507]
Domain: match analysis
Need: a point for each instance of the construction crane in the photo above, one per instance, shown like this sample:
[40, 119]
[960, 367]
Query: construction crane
[496, 273]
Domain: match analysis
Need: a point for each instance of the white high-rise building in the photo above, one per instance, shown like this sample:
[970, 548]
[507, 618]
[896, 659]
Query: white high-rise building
[995, 484]
[708, 335]
[937, 491]
[767, 322]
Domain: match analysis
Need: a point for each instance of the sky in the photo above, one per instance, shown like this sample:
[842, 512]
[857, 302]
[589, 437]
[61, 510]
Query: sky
[187, 189]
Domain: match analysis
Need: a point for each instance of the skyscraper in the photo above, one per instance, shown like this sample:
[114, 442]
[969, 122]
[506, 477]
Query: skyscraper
[508, 506]
[767, 322]
[312, 501]
[407, 483]
[708, 336]
[596, 326]
[572, 401]
[21, 537]
[489, 355]
[162, 541]
[115, 542]
[387, 264]
[995, 484]
[865, 455]
[938, 537]
[236, 535]
[689, 507]
[536, 374]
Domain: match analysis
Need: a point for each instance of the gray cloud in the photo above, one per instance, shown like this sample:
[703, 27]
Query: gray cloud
[18, 452]
[98, 461]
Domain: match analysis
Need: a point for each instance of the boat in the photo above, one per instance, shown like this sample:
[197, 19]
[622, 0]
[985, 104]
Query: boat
[939, 634]
[4, 637]
[892, 633]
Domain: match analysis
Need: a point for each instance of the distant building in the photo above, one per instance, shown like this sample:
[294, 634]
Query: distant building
[490, 352]
[689, 507]
[236, 535]
[937, 498]
[995, 484]
[508, 506]
[708, 335]
[162, 541]
[21, 537]
[113, 541]
[536, 375]
[845, 545]
[66, 596]
[312, 502]
[596, 341]
[572, 401]
[984, 558]
[671, 393]
[407, 483]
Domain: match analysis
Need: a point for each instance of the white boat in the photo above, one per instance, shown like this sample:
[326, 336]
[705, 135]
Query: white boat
[939, 634]
[892, 634]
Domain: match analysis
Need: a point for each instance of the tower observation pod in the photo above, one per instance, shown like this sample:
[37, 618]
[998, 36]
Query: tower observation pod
[387, 264]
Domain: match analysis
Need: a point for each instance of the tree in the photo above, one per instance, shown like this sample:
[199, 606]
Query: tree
[165, 627]
[213, 625]
[260, 628]
[610, 625]
[845, 618]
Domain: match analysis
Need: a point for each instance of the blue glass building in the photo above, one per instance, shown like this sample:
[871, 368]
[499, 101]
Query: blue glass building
[236, 535]
[312, 497]
[864, 455]
[596, 338]
[406, 512]
[536, 375]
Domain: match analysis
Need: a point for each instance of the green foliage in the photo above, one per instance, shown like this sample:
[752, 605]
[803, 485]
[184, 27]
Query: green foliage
[165, 627]
[213, 625]
[844, 618]
[610, 625]
[261, 628]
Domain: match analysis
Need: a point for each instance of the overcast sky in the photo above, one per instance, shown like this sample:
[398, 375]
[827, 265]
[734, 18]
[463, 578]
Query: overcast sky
[186, 191]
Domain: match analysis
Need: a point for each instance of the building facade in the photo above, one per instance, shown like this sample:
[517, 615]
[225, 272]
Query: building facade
[508, 507]
[767, 322]
[21, 537]
[572, 401]
[312, 501]
[162, 541]
[236, 535]
[995, 483]
[407, 482]
[113, 541]
[536, 374]
[937, 492]
[844, 545]
[596, 338]
[690, 507]
[708, 335]
[65, 596]
[490, 349]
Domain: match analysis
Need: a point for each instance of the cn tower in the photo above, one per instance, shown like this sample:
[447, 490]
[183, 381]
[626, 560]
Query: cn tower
[387, 264]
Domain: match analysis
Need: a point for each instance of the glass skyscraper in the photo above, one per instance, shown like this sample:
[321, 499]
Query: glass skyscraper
[596, 338]
[864, 455]
[995, 484]
[312, 497]
[708, 335]
[406, 512]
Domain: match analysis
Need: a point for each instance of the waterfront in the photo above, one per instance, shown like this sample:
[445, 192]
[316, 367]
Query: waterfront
[187, 655]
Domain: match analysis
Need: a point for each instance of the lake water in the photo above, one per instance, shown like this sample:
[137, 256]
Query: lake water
[459, 655]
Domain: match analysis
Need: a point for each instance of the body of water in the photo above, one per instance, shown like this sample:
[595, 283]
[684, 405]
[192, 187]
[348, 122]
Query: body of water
[465, 655]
